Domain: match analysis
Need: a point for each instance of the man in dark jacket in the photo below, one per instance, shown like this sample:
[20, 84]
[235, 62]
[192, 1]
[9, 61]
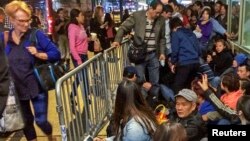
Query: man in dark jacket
[185, 54]
[186, 109]
[4, 78]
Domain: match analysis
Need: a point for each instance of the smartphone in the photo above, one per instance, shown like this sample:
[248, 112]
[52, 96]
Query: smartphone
[89, 138]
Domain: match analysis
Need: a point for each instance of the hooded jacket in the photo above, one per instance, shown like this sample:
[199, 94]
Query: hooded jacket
[185, 47]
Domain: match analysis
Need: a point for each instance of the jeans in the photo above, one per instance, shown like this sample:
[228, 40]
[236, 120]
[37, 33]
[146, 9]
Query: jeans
[215, 82]
[204, 48]
[152, 64]
[222, 121]
[75, 86]
[40, 105]
[84, 58]
[167, 93]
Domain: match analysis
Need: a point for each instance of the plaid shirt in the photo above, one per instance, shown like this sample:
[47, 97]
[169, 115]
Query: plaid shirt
[7, 23]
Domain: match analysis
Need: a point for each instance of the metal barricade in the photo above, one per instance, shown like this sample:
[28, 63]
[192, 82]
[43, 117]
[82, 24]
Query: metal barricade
[115, 58]
[82, 100]
[83, 95]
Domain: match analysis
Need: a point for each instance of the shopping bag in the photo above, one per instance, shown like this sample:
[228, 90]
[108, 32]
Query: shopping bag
[12, 118]
[97, 46]
[161, 113]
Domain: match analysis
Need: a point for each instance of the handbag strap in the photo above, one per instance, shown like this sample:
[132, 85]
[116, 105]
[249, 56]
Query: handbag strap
[33, 42]
[32, 37]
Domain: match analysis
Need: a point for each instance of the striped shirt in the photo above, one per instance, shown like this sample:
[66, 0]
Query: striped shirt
[205, 69]
[150, 36]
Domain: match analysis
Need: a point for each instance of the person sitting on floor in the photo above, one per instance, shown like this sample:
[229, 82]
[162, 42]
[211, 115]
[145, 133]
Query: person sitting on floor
[186, 108]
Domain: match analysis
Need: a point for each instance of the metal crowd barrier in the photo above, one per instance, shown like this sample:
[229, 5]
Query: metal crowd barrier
[116, 59]
[83, 95]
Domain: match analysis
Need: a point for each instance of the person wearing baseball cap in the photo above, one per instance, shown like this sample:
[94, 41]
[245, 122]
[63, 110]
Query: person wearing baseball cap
[189, 99]
[188, 116]
[130, 73]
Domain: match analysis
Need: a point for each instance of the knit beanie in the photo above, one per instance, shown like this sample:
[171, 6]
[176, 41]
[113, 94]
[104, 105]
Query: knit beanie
[240, 58]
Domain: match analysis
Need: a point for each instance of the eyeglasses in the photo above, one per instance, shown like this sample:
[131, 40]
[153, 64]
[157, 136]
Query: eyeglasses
[24, 21]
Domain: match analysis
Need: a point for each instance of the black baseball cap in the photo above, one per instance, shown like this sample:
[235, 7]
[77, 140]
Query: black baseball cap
[130, 71]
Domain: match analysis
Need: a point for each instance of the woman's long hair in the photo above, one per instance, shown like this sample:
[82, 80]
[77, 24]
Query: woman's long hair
[170, 131]
[73, 14]
[96, 15]
[131, 104]
[243, 105]
[109, 19]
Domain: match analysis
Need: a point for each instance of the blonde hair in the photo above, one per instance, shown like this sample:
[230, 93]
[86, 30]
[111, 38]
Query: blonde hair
[12, 7]
[96, 16]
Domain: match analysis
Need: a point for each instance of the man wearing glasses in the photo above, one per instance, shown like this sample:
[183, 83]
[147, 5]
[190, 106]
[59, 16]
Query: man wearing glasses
[22, 53]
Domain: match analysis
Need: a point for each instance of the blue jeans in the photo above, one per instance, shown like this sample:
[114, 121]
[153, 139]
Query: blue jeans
[222, 121]
[152, 64]
[167, 93]
[74, 92]
[204, 47]
[84, 58]
[40, 105]
[215, 82]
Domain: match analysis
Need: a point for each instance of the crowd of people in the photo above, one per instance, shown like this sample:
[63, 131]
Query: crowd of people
[74, 35]
[189, 67]
[209, 80]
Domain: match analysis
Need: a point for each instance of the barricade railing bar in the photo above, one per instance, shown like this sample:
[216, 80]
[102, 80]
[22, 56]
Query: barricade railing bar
[84, 95]
[116, 59]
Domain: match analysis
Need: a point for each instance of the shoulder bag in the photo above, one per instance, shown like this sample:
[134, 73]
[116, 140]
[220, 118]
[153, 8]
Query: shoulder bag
[138, 53]
[47, 73]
